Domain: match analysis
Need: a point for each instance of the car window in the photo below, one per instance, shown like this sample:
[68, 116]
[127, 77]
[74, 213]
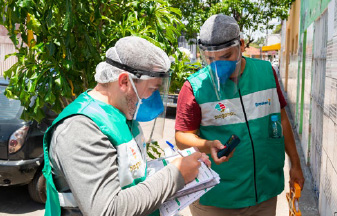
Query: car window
[9, 108]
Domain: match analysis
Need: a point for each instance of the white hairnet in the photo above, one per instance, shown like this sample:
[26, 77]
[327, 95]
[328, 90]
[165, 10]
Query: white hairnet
[218, 29]
[134, 52]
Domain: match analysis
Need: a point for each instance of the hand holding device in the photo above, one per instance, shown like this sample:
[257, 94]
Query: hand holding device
[204, 158]
[229, 146]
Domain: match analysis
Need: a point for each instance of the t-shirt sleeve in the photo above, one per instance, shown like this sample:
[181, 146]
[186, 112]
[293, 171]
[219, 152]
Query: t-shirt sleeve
[188, 114]
[281, 98]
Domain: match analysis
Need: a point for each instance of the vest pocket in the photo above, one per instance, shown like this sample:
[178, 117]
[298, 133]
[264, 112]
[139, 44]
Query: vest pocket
[276, 154]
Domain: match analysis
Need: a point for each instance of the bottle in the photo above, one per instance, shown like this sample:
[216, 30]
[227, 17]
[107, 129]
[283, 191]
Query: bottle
[275, 130]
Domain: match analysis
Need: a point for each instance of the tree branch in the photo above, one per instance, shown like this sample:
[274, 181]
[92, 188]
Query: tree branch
[249, 42]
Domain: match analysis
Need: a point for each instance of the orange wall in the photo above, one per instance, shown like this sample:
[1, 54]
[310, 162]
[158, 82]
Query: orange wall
[292, 37]
[293, 25]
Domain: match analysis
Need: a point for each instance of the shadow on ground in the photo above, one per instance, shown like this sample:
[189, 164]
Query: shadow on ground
[16, 200]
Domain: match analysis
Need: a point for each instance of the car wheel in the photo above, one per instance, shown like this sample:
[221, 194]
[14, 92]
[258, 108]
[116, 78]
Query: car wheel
[37, 188]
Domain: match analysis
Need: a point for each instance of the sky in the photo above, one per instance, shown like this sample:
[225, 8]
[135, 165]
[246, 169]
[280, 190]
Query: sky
[257, 34]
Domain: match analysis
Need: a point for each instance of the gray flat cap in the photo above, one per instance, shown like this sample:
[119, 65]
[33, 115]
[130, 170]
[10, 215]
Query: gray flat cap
[218, 29]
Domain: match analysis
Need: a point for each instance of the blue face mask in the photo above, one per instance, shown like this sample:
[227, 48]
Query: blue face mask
[224, 69]
[150, 108]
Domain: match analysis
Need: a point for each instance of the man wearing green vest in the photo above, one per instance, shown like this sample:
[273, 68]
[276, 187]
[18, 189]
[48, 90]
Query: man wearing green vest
[241, 96]
[95, 155]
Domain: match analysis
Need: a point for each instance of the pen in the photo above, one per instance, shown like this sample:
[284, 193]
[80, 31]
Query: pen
[181, 154]
[172, 147]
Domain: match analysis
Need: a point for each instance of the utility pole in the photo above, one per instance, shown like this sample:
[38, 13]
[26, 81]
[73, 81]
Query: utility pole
[267, 33]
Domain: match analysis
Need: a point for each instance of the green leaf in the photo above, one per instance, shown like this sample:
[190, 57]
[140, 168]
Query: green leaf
[50, 97]
[34, 24]
[58, 82]
[51, 48]
[30, 87]
[154, 149]
[151, 155]
[25, 3]
[68, 16]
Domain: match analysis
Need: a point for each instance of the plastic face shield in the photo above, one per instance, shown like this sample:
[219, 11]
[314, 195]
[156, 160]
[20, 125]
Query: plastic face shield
[151, 88]
[224, 65]
[151, 108]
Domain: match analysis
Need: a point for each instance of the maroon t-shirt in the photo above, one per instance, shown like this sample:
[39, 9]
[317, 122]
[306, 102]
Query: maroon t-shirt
[188, 115]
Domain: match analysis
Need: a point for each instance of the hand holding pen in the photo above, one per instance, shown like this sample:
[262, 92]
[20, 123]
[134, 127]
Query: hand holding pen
[204, 158]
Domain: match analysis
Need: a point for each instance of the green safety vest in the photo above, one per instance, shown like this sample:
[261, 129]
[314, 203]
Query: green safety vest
[130, 145]
[255, 172]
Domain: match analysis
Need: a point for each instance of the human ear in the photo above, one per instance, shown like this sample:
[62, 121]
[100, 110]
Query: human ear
[123, 81]
[242, 45]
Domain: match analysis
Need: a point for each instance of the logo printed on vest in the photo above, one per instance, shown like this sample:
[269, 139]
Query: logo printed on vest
[133, 152]
[135, 166]
[136, 163]
[263, 103]
[221, 108]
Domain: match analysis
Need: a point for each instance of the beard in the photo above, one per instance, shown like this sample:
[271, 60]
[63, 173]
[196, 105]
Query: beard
[131, 102]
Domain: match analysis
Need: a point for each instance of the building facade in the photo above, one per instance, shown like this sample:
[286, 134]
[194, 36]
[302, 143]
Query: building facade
[6, 47]
[309, 75]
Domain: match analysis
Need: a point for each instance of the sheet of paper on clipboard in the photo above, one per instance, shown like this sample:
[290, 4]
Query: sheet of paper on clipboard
[192, 191]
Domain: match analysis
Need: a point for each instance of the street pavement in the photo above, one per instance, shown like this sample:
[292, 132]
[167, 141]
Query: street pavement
[15, 200]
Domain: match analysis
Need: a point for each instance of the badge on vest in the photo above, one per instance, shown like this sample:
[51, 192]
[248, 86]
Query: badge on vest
[222, 109]
[267, 102]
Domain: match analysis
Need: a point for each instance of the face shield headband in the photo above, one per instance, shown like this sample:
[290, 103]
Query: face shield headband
[213, 47]
[137, 73]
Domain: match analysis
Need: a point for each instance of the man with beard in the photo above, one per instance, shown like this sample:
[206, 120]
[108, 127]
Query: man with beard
[95, 155]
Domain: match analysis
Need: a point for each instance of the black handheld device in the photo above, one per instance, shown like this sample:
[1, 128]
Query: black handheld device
[230, 145]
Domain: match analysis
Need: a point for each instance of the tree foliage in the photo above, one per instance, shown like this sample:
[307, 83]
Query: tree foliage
[251, 15]
[259, 41]
[277, 29]
[181, 68]
[70, 39]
